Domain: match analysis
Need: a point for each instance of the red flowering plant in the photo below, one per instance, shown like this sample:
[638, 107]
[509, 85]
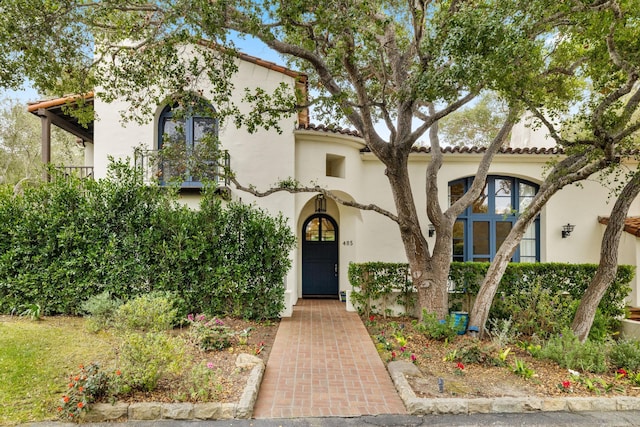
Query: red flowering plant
[565, 386]
[371, 321]
[459, 369]
[84, 388]
[621, 373]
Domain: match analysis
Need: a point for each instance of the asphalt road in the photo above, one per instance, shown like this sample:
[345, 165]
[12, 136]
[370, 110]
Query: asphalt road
[582, 419]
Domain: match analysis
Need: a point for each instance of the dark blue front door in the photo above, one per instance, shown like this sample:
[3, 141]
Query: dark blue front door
[320, 257]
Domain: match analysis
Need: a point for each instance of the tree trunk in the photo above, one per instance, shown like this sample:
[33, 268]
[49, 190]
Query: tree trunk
[429, 275]
[486, 293]
[432, 283]
[608, 265]
[572, 169]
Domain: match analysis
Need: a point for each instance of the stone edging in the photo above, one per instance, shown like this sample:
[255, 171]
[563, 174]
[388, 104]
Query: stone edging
[400, 370]
[243, 408]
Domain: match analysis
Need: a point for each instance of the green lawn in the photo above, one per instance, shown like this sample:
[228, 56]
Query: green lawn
[36, 359]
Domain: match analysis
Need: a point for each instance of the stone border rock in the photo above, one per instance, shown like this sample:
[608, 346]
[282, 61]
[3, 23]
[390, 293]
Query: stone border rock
[400, 370]
[243, 408]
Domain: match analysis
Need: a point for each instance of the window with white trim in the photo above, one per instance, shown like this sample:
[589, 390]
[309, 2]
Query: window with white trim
[482, 227]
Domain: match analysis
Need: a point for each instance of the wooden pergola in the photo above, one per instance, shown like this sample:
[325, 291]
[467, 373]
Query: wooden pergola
[57, 112]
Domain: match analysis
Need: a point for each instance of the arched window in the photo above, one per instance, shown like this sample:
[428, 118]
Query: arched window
[482, 227]
[185, 139]
[320, 229]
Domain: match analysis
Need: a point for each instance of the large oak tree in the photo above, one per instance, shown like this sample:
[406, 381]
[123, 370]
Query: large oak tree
[406, 64]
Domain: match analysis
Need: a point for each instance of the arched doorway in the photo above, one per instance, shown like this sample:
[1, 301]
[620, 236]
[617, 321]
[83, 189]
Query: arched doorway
[320, 257]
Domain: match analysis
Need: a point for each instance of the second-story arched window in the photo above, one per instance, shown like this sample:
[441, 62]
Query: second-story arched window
[186, 136]
[482, 227]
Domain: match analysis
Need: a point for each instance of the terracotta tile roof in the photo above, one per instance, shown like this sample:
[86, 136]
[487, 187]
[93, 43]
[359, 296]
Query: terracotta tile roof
[56, 102]
[503, 150]
[459, 150]
[258, 61]
[631, 224]
[480, 150]
[273, 66]
[332, 129]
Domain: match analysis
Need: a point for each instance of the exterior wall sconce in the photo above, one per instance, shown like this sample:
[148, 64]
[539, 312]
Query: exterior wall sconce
[566, 230]
[321, 204]
[432, 230]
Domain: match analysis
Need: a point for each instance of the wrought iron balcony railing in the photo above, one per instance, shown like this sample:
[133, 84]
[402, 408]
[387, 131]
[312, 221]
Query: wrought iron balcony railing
[82, 172]
[187, 171]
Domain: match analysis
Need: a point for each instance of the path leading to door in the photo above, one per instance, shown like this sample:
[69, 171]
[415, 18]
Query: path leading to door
[323, 363]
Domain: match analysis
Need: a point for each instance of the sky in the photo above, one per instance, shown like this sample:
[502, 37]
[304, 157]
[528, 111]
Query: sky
[248, 45]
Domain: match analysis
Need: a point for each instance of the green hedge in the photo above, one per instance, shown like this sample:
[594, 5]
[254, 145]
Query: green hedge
[63, 242]
[377, 281]
[374, 281]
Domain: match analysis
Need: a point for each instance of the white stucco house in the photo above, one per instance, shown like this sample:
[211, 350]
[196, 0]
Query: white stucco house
[331, 237]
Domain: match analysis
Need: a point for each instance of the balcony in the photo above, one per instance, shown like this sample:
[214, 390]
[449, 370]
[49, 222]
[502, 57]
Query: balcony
[184, 170]
[82, 172]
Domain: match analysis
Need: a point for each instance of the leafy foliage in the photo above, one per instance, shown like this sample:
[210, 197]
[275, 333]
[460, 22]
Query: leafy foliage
[474, 126]
[85, 387]
[377, 281]
[539, 298]
[535, 311]
[481, 354]
[20, 158]
[209, 334]
[433, 328]
[101, 309]
[66, 241]
[626, 354]
[145, 313]
[202, 383]
[145, 358]
[502, 331]
[567, 350]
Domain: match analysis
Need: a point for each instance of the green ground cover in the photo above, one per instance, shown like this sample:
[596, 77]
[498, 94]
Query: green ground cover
[36, 358]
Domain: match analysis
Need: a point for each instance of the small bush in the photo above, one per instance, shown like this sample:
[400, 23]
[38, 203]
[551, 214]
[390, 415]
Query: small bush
[84, 388]
[626, 354]
[145, 359]
[567, 350]
[602, 328]
[101, 309]
[436, 329]
[479, 354]
[535, 311]
[151, 312]
[208, 334]
[202, 383]
[502, 331]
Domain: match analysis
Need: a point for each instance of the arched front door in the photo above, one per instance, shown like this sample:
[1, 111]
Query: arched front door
[320, 257]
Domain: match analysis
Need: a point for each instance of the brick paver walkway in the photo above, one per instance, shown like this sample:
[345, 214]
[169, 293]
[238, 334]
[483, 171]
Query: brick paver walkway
[323, 363]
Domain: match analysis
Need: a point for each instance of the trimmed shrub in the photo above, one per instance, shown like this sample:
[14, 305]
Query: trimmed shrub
[558, 286]
[66, 241]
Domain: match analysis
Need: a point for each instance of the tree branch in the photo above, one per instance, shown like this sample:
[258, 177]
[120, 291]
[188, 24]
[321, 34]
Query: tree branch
[315, 189]
[483, 168]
